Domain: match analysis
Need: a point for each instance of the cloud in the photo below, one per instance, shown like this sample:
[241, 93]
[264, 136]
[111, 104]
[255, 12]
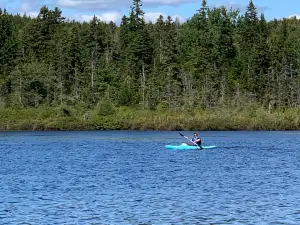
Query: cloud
[113, 4]
[241, 7]
[153, 16]
[167, 2]
[81, 5]
[110, 16]
[106, 17]
[32, 14]
[92, 4]
[294, 15]
[29, 5]
[84, 10]
[116, 17]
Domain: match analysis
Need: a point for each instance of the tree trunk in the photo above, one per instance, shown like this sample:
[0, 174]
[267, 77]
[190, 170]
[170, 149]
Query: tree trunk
[143, 85]
[20, 91]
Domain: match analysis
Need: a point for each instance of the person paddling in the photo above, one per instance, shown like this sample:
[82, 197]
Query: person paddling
[196, 140]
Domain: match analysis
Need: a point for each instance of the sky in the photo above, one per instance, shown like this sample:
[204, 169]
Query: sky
[113, 10]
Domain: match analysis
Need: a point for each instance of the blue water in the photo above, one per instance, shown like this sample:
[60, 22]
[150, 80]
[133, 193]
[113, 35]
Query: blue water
[128, 177]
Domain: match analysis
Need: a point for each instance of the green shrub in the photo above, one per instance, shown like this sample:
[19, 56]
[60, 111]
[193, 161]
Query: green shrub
[162, 107]
[105, 123]
[105, 108]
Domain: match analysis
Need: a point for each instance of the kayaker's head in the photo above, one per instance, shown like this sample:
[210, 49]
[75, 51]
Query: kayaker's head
[196, 134]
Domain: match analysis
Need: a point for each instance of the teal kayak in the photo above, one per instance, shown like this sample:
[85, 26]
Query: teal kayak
[184, 146]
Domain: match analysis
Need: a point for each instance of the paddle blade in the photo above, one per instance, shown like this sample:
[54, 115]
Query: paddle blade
[181, 134]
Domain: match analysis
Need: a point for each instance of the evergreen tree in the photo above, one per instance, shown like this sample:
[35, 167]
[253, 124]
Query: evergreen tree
[219, 57]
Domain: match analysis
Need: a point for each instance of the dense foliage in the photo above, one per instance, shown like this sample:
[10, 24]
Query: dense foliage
[219, 58]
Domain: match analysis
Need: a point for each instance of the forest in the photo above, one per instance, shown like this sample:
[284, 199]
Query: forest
[219, 70]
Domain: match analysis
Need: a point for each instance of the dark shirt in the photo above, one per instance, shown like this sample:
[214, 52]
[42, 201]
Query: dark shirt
[196, 138]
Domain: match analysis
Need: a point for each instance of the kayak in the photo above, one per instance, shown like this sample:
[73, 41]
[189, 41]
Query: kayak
[184, 146]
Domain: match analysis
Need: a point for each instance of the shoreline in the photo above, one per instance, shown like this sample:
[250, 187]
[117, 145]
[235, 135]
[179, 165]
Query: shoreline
[76, 119]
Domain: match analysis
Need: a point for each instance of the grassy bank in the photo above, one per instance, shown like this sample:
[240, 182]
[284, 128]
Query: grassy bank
[106, 117]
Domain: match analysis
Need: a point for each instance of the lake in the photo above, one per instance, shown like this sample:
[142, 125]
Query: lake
[128, 177]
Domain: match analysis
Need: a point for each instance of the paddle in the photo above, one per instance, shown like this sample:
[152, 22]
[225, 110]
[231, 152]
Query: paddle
[190, 140]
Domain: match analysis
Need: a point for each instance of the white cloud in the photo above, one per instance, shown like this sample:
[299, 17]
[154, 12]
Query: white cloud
[93, 4]
[110, 16]
[116, 17]
[153, 16]
[241, 7]
[113, 4]
[179, 18]
[294, 15]
[33, 14]
[83, 10]
[106, 17]
[167, 2]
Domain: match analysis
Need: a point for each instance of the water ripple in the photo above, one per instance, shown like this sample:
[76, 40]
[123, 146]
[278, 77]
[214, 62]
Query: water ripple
[129, 178]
